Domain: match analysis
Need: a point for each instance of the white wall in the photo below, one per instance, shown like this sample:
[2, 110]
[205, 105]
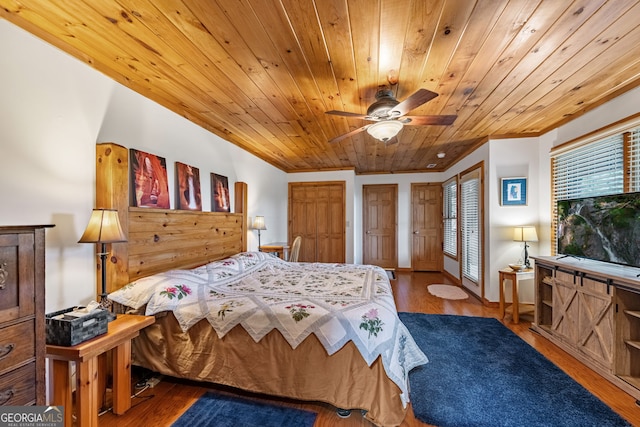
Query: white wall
[404, 230]
[53, 110]
[617, 109]
[510, 158]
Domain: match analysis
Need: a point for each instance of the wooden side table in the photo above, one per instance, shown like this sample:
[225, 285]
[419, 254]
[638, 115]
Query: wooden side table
[514, 277]
[281, 249]
[118, 337]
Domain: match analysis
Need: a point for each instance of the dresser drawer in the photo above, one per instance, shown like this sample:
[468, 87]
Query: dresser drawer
[17, 276]
[18, 387]
[17, 345]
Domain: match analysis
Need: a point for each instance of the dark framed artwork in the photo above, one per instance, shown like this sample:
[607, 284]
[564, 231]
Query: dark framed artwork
[188, 196]
[514, 191]
[220, 200]
[149, 180]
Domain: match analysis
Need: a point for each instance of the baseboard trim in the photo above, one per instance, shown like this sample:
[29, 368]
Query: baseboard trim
[454, 279]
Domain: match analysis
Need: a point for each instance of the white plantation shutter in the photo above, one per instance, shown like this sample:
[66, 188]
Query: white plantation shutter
[450, 213]
[470, 226]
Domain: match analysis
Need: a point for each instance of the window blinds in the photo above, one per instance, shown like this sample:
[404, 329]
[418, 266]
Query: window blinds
[450, 214]
[596, 168]
[590, 170]
[470, 225]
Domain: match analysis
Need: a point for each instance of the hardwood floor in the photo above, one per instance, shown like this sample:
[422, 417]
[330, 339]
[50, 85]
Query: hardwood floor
[163, 404]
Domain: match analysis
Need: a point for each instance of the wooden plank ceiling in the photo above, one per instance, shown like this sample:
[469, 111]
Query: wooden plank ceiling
[262, 73]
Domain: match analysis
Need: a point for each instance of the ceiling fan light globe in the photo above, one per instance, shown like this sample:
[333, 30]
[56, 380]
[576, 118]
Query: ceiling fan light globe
[384, 130]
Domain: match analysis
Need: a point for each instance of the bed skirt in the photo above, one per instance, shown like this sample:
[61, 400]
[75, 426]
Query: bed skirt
[270, 367]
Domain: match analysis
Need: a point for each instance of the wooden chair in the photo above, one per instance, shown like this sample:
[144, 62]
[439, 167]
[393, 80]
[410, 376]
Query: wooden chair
[295, 249]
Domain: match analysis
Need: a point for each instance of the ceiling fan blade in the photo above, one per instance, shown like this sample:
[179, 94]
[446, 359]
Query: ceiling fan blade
[348, 134]
[428, 120]
[346, 114]
[413, 101]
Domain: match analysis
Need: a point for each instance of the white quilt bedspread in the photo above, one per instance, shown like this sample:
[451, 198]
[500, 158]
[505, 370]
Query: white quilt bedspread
[336, 302]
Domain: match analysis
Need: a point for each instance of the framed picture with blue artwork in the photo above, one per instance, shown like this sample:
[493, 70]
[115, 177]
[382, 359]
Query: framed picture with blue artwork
[514, 192]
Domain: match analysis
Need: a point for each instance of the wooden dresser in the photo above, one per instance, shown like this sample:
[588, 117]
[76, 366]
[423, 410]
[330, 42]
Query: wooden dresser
[22, 323]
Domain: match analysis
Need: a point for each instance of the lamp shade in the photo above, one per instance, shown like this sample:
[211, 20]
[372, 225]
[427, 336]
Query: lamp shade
[104, 227]
[525, 233]
[385, 130]
[258, 223]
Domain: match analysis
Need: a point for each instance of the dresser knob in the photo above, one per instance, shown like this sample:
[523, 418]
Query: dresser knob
[6, 349]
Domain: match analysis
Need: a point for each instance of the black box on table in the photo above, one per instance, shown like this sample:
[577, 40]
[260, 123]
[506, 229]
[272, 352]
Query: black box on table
[65, 330]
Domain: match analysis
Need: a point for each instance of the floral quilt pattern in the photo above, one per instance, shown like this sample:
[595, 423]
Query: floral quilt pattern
[336, 302]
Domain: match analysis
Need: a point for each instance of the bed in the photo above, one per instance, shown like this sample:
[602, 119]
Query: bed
[308, 331]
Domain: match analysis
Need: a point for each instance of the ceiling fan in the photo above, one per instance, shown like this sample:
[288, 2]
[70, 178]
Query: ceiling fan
[389, 115]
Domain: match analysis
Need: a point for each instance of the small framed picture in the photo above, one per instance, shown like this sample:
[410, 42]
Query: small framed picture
[514, 191]
[149, 180]
[220, 191]
[188, 196]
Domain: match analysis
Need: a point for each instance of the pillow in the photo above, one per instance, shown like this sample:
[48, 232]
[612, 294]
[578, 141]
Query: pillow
[135, 294]
[138, 293]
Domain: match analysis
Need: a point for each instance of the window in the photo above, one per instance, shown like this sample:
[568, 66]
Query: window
[450, 216]
[470, 226]
[591, 170]
[599, 165]
[634, 159]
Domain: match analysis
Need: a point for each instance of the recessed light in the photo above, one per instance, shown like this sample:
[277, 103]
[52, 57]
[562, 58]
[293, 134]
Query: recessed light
[441, 155]
[431, 165]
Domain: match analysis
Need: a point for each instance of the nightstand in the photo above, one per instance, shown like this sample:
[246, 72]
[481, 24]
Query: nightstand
[118, 337]
[280, 249]
[515, 277]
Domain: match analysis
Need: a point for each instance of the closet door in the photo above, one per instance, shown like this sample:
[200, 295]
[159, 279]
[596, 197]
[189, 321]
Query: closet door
[302, 220]
[330, 223]
[317, 213]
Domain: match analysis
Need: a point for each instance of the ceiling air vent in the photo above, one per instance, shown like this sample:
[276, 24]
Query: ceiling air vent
[431, 165]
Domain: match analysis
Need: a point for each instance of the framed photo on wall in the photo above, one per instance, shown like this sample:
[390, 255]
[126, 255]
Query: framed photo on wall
[149, 180]
[514, 191]
[220, 200]
[188, 196]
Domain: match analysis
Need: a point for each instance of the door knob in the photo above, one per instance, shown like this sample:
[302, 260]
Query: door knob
[416, 232]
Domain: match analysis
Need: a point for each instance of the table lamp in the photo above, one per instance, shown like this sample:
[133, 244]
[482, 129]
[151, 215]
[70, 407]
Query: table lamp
[104, 227]
[258, 224]
[526, 233]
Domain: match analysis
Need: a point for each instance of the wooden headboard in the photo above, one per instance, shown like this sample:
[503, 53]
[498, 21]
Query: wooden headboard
[161, 239]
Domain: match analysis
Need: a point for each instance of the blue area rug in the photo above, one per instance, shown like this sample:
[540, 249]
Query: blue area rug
[482, 374]
[219, 410]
